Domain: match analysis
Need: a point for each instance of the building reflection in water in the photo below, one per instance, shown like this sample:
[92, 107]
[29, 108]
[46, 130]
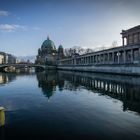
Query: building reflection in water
[6, 78]
[123, 88]
[49, 81]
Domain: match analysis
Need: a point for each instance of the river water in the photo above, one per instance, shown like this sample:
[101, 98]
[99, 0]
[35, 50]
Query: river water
[67, 105]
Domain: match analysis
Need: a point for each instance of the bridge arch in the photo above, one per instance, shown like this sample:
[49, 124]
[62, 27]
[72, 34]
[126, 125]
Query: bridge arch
[3, 66]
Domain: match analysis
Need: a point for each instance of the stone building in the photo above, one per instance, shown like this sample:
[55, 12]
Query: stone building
[60, 52]
[2, 57]
[131, 36]
[11, 59]
[123, 59]
[128, 53]
[48, 54]
[7, 58]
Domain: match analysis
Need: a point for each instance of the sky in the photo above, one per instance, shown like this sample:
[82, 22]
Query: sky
[25, 24]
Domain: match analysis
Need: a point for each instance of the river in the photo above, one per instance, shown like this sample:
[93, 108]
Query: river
[67, 105]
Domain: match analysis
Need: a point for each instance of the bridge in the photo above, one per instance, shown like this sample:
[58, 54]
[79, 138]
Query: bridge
[3, 66]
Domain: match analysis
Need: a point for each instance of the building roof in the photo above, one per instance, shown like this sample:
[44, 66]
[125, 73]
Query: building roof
[134, 29]
[2, 52]
[60, 47]
[48, 44]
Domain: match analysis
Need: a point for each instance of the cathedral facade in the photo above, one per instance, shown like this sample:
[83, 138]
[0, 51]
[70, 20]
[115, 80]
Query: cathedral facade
[48, 54]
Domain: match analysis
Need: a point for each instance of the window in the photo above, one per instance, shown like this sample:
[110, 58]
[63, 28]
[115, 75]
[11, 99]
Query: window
[130, 39]
[135, 38]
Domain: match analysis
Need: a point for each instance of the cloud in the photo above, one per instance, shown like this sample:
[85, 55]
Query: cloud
[36, 28]
[4, 13]
[10, 27]
[16, 27]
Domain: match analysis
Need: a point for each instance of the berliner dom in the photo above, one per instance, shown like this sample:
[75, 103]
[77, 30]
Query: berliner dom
[48, 54]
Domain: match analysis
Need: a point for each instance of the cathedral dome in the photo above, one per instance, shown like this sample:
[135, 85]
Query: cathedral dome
[48, 44]
[60, 47]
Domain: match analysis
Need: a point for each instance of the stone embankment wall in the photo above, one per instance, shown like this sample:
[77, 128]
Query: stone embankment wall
[124, 70]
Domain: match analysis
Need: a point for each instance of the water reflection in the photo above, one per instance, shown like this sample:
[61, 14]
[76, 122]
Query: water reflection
[6, 78]
[49, 81]
[85, 105]
[123, 88]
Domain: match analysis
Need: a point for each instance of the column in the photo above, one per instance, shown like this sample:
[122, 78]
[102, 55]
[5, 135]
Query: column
[123, 41]
[94, 59]
[103, 58]
[89, 60]
[100, 59]
[113, 57]
[139, 55]
[118, 57]
[127, 40]
[97, 58]
[82, 59]
[139, 37]
[132, 56]
[124, 56]
[108, 58]
[133, 38]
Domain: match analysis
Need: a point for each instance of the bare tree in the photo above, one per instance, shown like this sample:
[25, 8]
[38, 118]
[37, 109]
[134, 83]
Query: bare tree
[88, 50]
[77, 50]
[114, 44]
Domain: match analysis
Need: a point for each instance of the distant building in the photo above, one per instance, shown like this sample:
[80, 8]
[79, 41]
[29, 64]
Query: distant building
[2, 57]
[7, 58]
[48, 54]
[11, 59]
[60, 52]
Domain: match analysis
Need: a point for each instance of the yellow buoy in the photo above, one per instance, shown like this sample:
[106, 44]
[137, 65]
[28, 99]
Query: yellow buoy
[2, 116]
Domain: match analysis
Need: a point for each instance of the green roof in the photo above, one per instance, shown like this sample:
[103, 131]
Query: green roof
[48, 44]
[60, 46]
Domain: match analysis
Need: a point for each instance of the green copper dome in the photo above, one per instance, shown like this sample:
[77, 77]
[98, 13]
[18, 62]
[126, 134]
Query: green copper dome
[60, 47]
[48, 44]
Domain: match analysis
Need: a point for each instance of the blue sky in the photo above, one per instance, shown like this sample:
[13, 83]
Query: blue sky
[25, 24]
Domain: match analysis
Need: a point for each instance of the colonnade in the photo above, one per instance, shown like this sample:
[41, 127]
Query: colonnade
[118, 55]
